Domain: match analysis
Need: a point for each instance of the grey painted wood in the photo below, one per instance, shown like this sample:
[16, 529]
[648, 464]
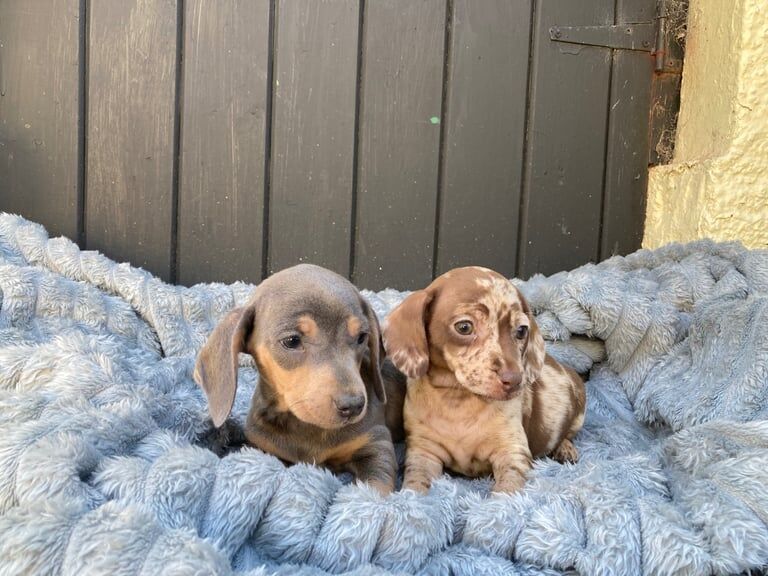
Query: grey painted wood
[313, 133]
[221, 195]
[399, 142]
[131, 90]
[626, 173]
[39, 112]
[485, 135]
[337, 160]
[566, 142]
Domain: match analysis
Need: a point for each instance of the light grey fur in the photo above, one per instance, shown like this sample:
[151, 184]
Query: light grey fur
[106, 461]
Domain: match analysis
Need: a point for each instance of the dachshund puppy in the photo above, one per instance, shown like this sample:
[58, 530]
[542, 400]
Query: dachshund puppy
[482, 396]
[324, 394]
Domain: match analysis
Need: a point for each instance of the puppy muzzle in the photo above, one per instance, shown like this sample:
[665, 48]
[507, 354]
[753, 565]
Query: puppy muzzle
[511, 381]
[504, 386]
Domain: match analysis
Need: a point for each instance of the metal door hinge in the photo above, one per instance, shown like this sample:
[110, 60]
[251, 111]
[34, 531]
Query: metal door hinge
[660, 36]
[672, 17]
[639, 36]
[671, 21]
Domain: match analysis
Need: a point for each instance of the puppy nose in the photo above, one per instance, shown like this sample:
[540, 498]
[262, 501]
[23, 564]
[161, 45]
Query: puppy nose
[511, 379]
[349, 405]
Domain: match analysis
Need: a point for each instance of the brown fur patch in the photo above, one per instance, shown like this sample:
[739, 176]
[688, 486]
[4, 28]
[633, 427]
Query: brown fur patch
[337, 455]
[266, 445]
[273, 372]
[536, 431]
[552, 363]
[560, 414]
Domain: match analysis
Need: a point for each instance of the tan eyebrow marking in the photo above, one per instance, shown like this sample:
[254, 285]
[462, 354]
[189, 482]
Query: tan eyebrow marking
[307, 326]
[353, 325]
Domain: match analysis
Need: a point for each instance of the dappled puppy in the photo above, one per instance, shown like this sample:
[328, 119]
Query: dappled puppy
[324, 395]
[483, 396]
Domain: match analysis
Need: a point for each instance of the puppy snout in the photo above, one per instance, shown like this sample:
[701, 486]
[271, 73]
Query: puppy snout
[349, 405]
[510, 379]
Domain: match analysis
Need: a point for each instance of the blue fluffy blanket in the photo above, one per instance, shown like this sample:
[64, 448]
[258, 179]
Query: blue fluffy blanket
[109, 465]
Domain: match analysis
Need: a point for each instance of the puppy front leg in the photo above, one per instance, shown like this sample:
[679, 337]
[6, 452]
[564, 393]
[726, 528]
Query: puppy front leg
[510, 465]
[375, 463]
[421, 467]
[566, 452]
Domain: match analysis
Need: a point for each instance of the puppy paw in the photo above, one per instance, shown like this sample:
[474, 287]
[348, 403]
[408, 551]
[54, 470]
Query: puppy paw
[418, 486]
[566, 452]
[510, 484]
[382, 487]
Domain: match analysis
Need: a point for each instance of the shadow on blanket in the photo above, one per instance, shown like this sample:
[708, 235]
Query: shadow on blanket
[108, 463]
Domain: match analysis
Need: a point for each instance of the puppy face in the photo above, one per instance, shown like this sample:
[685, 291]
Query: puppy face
[311, 351]
[314, 340]
[474, 323]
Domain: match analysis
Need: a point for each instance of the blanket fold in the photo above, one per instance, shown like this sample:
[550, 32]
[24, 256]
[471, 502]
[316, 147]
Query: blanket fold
[109, 462]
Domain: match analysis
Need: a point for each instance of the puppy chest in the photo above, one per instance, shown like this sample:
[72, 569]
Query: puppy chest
[463, 441]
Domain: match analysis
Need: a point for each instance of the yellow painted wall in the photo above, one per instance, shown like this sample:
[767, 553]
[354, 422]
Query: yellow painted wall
[717, 185]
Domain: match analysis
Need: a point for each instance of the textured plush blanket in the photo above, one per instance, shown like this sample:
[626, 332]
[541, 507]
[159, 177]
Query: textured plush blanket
[110, 465]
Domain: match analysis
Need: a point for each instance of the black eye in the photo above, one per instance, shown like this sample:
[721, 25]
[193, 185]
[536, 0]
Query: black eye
[292, 342]
[521, 332]
[362, 338]
[464, 327]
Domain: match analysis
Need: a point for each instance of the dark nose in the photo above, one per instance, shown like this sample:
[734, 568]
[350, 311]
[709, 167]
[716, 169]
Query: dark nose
[511, 379]
[349, 405]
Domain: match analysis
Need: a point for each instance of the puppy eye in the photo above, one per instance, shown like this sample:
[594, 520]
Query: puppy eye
[465, 327]
[362, 338]
[521, 332]
[291, 342]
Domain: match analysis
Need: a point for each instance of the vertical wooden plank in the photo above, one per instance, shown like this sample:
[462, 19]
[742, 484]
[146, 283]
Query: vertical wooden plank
[131, 90]
[562, 194]
[313, 133]
[221, 196]
[39, 52]
[399, 143]
[626, 172]
[485, 135]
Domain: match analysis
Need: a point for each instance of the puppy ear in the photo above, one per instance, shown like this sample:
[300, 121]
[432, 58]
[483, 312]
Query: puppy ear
[372, 364]
[533, 356]
[405, 337]
[216, 367]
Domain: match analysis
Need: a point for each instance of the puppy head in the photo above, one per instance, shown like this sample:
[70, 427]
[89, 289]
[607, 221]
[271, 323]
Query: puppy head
[474, 323]
[316, 343]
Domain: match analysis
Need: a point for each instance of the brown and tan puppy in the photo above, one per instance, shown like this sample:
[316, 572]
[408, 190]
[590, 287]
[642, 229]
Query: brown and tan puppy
[483, 396]
[324, 395]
